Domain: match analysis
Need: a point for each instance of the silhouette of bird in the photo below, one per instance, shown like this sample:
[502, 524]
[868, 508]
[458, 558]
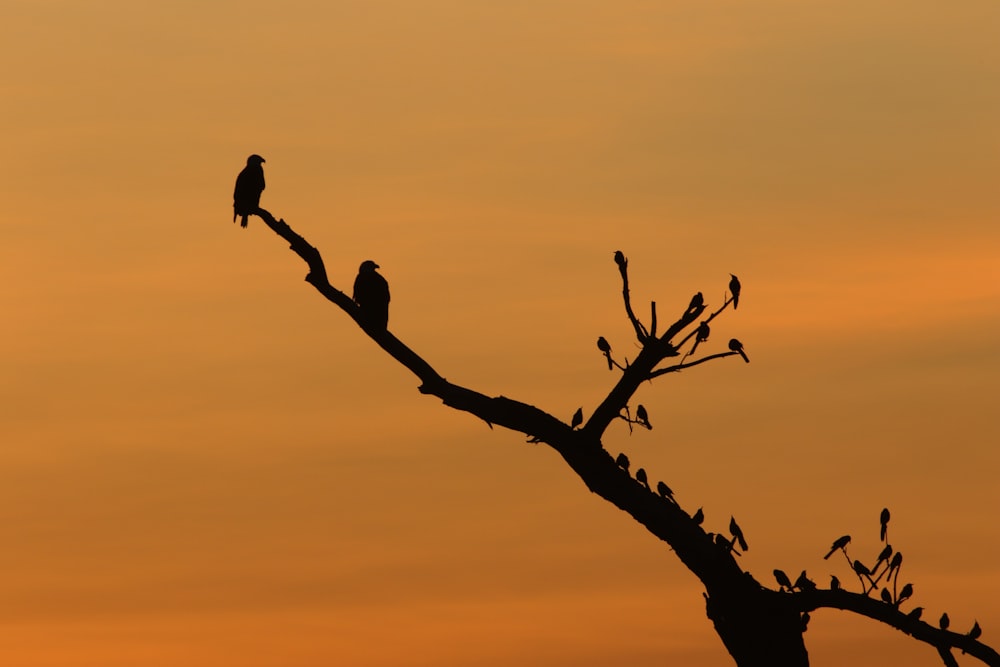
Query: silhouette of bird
[577, 418]
[976, 631]
[897, 560]
[642, 416]
[720, 540]
[737, 346]
[782, 579]
[838, 543]
[804, 583]
[884, 521]
[620, 260]
[863, 571]
[915, 613]
[640, 476]
[905, 594]
[698, 517]
[886, 596]
[622, 461]
[664, 490]
[883, 556]
[834, 583]
[737, 533]
[605, 347]
[944, 622]
[371, 293]
[249, 186]
[700, 335]
[734, 289]
[697, 301]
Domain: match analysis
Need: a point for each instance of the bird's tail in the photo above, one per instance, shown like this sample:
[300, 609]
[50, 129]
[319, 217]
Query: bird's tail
[243, 222]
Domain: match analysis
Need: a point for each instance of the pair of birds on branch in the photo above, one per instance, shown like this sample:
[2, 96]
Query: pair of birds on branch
[371, 290]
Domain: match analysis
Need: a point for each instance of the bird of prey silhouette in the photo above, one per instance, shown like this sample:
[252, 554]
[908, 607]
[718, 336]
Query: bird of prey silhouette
[622, 461]
[249, 186]
[734, 289]
[838, 543]
[884, 521]
[604, 346]
[371, 293]
[640, 476]
[737, 346]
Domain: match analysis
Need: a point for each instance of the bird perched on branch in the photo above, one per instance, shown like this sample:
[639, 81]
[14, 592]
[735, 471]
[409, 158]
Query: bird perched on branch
[737, 533]
[640, 476]
[622, 461]
[701, 335]
[249, 186]
[620, 260]
[371, 293]
[737, 346]
[577, 418]
[782, 579]
[883, 519]
[605, 347]
[664, 490]
[944, 622]
[699, 517]
[697, 301]
[642, 417]
[734, 289]
[838, 543]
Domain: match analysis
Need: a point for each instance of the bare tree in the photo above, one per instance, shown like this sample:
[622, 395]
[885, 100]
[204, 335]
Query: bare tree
[760, 626]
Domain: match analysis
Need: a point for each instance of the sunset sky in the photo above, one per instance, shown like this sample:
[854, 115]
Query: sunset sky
[202, 462]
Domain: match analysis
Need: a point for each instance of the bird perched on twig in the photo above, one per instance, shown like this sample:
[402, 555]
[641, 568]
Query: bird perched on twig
[249, 186]
[734, 289]
[371, 293]
[905, 593]
[620, 260]
[838, 543]
[642, 416]
[701, 335]
[605, 347]
[883, 519]
[737, 346]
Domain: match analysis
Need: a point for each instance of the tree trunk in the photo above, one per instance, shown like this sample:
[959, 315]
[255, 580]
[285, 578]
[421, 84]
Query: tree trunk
[758, 627]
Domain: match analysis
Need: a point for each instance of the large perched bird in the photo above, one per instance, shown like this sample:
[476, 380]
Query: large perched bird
[249, 186]
[734, 289]
[371, 293]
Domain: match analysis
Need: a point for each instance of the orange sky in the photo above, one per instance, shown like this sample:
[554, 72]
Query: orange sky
[204, 463]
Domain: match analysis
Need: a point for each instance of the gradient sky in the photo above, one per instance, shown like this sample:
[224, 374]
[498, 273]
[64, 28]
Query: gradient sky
[204, 463]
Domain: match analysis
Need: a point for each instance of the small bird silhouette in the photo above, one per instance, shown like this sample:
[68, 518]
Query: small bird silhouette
[622, 461]
[834, 583]
[884, 521]
[664, 490]
[915, 613]
[697, 301]
[605, 347]
[976, 631]
[804, 583]
[249, 186]
[620, 260]
[944, 622]
[699, 517]
[863, 571]
[642, 416]
[640, 476]
[577, 418]
[737, 533]
[737, 346]
[838, 543]
[782, 579]
[886, 596]
[883, 556]
[371, 293]
[897, 560]
[905, 593]
[701, 335]
[734, 289]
